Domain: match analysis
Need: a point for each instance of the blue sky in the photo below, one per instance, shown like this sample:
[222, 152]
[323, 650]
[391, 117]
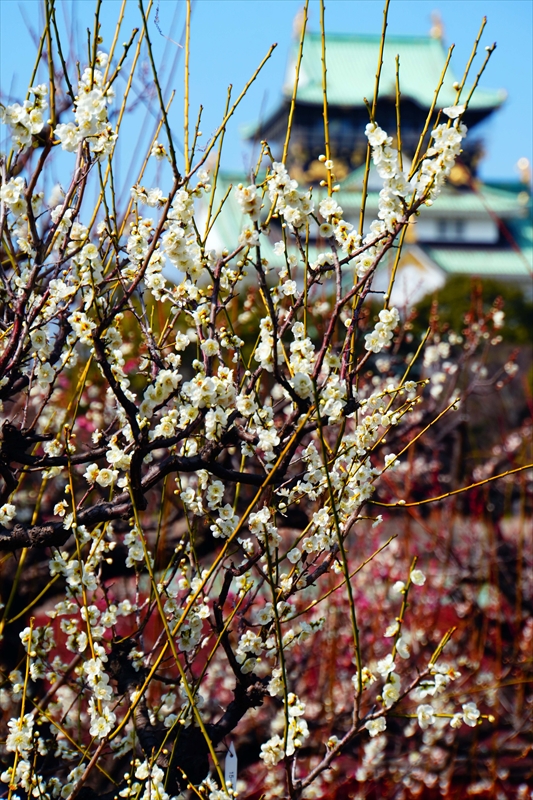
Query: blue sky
[229, 38]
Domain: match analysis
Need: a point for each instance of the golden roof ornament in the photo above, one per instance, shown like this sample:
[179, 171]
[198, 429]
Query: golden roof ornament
[437, 26]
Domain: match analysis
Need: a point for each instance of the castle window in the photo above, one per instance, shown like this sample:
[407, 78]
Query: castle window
[443, 228]
[451, 229]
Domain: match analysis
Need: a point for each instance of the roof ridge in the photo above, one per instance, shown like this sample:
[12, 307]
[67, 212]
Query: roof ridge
[376, 37]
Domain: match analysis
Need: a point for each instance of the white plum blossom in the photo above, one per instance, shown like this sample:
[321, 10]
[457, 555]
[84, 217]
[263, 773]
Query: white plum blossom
[289, 288]
[272, 751]
[418, 577]
[293, 205]
[26, 120]
[391, 690]
[106, 477]
[302, 385]
[454, 111]
[392, 629]
[249, 200]
[381, 336]
[426, 716]
[498, 318]
[330, 208]
[7, 513]
[91, 107]
[402, 648]
[376, 726]
[210, 347]
[386, 665]
[471, 714]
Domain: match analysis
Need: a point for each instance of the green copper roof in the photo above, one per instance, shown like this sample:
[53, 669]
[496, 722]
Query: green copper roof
[483, 261]
[471, 260]
[351, 66]
[522, 232]
[453, 203]
[509, 203]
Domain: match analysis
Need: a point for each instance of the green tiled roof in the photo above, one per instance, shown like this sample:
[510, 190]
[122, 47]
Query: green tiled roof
[473, 260]
[483, 261]
[501, 201]
[351, 66]
[522, 231]
[472, 204]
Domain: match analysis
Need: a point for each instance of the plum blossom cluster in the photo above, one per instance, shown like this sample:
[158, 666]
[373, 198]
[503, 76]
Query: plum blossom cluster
[24, 740]
[91, 114]
[402, 193]
[381, 336]
[439, 676]
[297, 732]
[12, 196]
[249, 199]
[101, 714]
[25, 120]
[197, 441]
[293, 205]
[441, 155]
